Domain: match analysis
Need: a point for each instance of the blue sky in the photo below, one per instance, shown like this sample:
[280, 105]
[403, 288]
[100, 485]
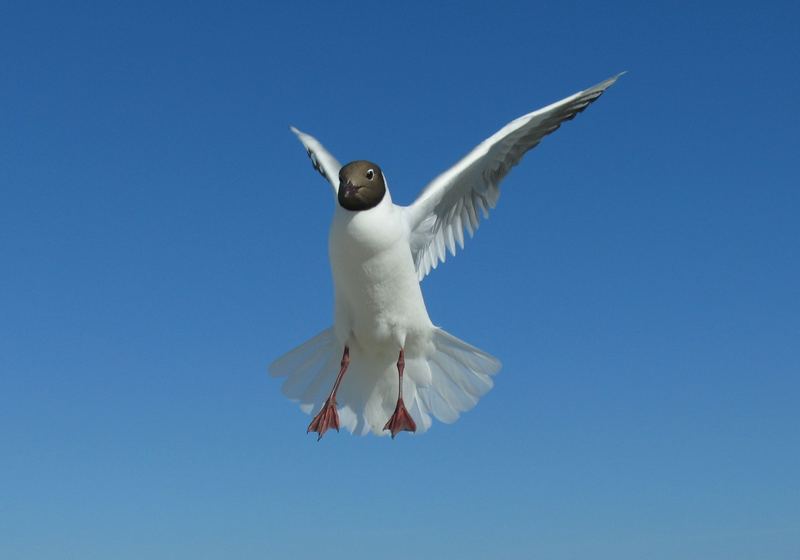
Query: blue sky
[163, 238]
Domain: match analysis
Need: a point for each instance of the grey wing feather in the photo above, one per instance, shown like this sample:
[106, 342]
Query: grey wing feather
[321, 159]
[453, 201]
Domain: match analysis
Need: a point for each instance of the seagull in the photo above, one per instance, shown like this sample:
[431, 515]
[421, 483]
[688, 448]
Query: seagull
[384, 367]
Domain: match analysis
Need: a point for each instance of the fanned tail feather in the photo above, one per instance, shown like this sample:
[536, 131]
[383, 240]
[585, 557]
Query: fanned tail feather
[460, 375]
[449, 381]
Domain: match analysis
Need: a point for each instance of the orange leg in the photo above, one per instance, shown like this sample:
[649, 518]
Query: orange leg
[328, 417]
[401, 420]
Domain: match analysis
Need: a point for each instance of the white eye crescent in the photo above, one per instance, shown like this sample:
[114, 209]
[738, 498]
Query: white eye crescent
[370, 174]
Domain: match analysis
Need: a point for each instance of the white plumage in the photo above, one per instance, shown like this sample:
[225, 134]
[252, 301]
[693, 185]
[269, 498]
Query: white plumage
[378, 257]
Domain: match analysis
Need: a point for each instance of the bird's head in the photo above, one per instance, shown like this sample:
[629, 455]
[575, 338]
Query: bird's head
[361, 185]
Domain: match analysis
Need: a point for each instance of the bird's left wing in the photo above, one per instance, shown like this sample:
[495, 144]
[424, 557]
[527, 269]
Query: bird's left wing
[322, 160]
[451, 202]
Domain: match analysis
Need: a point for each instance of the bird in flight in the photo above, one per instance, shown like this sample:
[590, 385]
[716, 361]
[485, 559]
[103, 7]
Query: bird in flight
[383, 366]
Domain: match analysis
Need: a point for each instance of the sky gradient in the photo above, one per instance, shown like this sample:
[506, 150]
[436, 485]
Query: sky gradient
[163, 238]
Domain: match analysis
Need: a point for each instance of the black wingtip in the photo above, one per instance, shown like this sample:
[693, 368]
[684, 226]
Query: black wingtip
[596, 91]
[610, 81]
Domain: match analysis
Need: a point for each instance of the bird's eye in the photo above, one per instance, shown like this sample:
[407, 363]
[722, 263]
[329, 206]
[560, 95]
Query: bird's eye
[370, 174]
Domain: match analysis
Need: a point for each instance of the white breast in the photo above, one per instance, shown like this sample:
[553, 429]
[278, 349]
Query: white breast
[379, 304]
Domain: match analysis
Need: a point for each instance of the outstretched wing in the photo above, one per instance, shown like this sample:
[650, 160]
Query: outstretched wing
[451, 202]
[322, 160]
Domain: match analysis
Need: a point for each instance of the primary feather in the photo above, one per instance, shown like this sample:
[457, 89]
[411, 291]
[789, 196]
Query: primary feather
[454, 200]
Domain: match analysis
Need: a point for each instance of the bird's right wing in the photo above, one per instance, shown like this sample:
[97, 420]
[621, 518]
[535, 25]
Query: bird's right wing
[323, 161]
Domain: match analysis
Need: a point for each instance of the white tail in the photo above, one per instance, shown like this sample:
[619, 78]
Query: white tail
[448, 382]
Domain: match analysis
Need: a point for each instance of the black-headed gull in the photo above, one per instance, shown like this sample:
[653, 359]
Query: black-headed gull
[395, 368]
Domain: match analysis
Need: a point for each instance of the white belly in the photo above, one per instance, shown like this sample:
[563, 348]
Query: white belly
[379, 304]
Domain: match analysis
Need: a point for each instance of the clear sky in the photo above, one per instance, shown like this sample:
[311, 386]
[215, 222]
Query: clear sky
[163, 238]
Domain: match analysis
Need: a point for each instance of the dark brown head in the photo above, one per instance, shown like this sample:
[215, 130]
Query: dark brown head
[361, 185]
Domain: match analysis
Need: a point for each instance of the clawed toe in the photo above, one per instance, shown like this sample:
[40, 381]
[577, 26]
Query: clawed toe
[325, 418]
[401, 420]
